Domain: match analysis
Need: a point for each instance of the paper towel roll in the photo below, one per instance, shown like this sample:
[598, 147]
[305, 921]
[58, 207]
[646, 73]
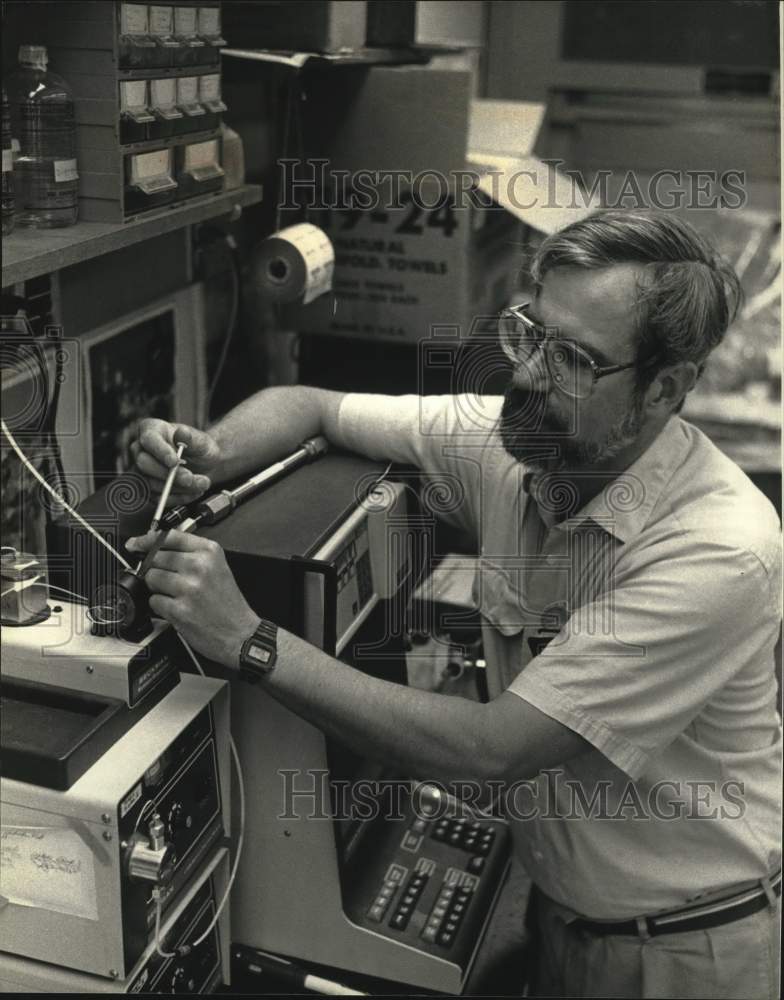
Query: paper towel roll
[295, 264]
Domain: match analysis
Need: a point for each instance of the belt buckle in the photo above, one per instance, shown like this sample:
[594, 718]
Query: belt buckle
[767, 882]
[643, 928]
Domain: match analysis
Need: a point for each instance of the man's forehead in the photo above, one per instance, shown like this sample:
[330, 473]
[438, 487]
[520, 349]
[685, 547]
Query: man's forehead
[594, 306]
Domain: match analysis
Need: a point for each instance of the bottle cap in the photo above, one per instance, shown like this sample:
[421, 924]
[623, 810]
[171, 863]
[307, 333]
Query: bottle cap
[33, 54]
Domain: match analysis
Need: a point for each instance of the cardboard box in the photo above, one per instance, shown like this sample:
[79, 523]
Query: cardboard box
[296, 25]
[438, 256]
[392, 23]
[501, 140]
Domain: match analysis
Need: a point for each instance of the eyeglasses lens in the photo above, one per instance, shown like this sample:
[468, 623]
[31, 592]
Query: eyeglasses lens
[567, 366]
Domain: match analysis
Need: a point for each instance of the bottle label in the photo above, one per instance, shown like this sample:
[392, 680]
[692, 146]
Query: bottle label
[65, 170]
[41, 124]
[8, 160]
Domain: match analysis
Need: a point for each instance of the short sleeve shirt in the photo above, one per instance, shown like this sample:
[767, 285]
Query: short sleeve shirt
[646, 622]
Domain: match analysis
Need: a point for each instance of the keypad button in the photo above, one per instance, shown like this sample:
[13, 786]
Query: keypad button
[483, 847]
[419, 825]
[439, 911]
[386, 892]
[458, 909]
[376, 913]
[450, 927]
[429, 934]
[399, 921]
[411, 841]
[454, 838]
[445, 939]
[476, 864]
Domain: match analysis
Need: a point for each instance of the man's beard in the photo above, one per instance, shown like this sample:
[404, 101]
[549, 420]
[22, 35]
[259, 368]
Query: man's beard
[544, 441]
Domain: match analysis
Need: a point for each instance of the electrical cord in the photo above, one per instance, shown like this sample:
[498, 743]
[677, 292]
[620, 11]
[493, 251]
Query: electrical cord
[240, 780]
[46, 425]
[64, 590]
[51, 415]
[47, 486]
[49, 586]
[231, 325]
[241, 790]
[156, 893]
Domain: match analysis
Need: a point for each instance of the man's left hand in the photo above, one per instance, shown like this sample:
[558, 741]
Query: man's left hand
[193, 588]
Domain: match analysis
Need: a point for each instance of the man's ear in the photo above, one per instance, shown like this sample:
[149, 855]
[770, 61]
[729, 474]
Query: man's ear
[671, 385]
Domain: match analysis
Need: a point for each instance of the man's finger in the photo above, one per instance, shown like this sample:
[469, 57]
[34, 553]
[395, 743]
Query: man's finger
[184, 479]
[158, 441]
[175, 562]
[163, 581]
[150, 467]
[199, 444]
[176, 541]
[165, 607]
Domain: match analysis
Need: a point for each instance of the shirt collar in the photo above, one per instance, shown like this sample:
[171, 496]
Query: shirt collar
[624, 505]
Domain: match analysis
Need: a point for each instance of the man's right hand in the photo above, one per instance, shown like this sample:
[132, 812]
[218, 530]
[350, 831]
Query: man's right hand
[155, 452]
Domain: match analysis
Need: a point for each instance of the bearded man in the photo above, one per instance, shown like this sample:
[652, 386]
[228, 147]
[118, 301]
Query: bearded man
[628, 582]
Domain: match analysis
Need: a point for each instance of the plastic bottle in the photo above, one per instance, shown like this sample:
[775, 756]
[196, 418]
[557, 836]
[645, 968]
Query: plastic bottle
[8, 176]
[43, 120]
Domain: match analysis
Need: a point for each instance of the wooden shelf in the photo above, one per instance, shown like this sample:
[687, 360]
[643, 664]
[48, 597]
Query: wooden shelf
[29, 253]
[416, 55]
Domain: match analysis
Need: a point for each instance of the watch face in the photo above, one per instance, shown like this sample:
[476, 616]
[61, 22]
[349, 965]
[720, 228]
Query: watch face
[258, 653]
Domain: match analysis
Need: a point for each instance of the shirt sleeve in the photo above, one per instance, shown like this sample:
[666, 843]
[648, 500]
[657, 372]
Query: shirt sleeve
[630, 671]
[440, 435]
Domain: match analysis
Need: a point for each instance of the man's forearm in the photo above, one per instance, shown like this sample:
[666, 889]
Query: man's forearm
[424, 735]
[270, 424]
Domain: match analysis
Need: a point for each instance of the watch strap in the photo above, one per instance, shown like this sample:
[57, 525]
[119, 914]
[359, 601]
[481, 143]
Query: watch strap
[259, 652]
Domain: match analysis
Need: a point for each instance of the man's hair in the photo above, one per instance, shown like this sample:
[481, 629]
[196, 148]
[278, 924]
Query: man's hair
[688, 294]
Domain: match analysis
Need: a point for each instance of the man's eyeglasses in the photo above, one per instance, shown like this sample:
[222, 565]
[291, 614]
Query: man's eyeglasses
[570, 367]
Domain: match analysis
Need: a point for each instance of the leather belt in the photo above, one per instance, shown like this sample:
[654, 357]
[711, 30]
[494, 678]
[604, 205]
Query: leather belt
[692, 918]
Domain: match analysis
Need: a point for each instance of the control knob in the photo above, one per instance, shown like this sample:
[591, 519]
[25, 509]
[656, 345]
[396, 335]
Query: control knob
[150, 858]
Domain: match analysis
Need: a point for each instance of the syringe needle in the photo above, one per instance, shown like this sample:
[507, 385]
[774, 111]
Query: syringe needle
[167, 488]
